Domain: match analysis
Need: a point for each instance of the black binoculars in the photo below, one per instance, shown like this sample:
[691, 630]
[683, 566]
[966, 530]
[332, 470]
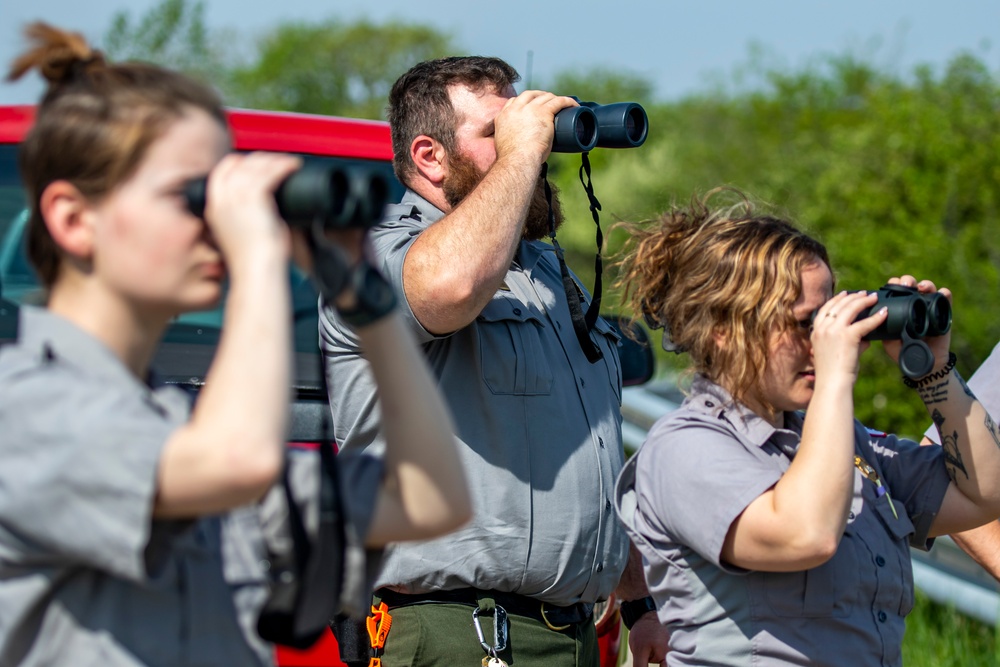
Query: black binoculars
[337, 197]
[910, 316]
[591, 125]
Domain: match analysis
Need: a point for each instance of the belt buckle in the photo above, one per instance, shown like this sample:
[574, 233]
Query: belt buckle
[557, 628]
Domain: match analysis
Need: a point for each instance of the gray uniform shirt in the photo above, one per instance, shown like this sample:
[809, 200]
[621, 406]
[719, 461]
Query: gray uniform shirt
[539, 429]
[87, 577]
[699, 469]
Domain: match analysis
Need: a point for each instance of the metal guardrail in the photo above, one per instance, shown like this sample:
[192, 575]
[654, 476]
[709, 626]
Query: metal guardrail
[945, 574]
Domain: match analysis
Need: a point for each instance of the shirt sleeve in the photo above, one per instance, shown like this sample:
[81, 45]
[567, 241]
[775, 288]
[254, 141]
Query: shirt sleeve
[391, 240]
[985, 384]
[79, 473]
[694, 480]
[916, 476]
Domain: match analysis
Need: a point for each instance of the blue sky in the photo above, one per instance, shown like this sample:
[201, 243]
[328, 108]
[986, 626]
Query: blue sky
[681, 47]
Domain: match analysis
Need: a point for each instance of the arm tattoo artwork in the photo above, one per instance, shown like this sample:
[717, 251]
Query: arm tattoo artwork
[949, 443]
[936, 393]
[992, 428]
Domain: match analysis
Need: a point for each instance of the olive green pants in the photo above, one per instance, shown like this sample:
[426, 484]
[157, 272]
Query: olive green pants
[438, 634]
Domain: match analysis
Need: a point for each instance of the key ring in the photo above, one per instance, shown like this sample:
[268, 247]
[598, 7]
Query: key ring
[500, 630]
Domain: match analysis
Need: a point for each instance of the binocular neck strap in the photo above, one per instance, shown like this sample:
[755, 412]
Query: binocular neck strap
[582, 324]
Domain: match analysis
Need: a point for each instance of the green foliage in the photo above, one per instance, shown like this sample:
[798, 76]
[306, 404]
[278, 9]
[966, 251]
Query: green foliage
[332, 67]
[604, 86]
[895, 175]
[937, 635]
[172, 34]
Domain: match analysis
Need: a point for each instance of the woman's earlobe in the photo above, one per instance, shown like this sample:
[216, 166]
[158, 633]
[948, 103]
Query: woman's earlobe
[68, 217]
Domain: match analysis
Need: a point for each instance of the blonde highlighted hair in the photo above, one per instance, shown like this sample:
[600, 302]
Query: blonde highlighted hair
[717, 274]
[94, 124]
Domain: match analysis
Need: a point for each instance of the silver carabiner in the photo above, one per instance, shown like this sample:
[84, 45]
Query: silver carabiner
[501, 630]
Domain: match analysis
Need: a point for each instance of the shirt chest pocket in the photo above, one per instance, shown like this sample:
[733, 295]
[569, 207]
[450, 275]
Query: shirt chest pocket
[511, 352]
[830, 590]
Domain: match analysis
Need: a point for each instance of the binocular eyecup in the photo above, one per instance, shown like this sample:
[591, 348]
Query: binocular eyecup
[910, 317]
[336, 197]
[591, 125]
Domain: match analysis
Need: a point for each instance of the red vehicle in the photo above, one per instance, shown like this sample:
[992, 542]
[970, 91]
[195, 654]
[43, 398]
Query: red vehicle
[190, 342]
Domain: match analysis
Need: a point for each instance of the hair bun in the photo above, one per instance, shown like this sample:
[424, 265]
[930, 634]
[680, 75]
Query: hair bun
[59, 55]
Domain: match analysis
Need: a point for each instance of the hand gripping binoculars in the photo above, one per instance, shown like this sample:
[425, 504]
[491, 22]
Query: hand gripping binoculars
[910, 317]
[336, 197]
[591, 125]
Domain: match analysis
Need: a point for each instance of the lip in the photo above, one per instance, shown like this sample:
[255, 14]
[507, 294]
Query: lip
[213, 270]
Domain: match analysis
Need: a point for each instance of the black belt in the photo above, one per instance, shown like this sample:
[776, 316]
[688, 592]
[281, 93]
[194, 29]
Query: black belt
[556, 618]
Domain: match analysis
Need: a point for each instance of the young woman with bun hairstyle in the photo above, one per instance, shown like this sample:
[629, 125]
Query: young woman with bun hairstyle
[774, 527]
[128, 530]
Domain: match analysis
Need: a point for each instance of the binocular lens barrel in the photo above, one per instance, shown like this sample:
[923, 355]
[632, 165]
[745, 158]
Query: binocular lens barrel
[576, 130]
[918, 315]
[591, 125]
[938, 314]
[339, 197]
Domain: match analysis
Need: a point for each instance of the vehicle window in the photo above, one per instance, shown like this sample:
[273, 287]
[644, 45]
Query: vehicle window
[19, 284]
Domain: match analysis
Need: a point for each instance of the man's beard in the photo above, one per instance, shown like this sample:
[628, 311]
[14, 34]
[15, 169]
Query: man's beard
[464, 176]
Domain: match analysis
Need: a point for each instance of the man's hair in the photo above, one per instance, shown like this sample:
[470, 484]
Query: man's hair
[699, 271]
[419, 102]
[94, 124]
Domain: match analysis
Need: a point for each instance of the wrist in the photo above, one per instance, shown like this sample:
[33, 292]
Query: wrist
[633, 610]
[367, 298]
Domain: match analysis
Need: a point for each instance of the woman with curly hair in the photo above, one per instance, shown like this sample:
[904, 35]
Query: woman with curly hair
[774, 527]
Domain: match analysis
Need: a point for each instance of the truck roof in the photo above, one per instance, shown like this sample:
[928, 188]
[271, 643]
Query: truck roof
[264, 130]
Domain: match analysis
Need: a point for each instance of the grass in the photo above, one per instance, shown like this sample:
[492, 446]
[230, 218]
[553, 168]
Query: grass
[939, 636]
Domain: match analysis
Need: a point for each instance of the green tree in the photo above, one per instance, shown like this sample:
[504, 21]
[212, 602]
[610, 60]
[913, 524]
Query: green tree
[173, 34]
[896, 174]
[333, 67]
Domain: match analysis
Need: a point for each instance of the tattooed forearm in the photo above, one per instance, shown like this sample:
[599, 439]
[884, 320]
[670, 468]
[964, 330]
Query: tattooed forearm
[992, 428]
[949, 443]
[935, 393]
[965, 387]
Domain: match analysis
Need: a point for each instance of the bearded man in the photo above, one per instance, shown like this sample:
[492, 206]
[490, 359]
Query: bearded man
[539, 426]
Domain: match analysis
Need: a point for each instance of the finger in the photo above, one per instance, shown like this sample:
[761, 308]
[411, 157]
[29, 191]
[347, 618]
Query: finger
[869, 324]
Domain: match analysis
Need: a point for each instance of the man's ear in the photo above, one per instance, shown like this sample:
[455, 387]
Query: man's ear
[430, 159]
[69, 218]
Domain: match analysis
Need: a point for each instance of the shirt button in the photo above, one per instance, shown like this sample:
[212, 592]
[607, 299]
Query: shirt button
[558, 324]
[583, 383]
[600, 567]
[517, 311]
[880, 561]
[882, 617]
[600, 441]
[607, 505]
[851, 516]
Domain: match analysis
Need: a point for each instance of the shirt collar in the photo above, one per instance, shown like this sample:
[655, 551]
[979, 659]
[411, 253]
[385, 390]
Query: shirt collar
[421, 207]
[710, 398]
[52, 337]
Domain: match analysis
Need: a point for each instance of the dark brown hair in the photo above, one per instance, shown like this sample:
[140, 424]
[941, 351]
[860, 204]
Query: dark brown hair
[94, 123]
[699, 271]
[419, 102]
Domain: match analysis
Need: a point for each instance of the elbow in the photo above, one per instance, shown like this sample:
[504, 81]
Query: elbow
[251, 471]
[816, 549]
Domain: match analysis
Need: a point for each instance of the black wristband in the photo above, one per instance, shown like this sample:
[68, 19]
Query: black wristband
[375, 296]
[633, 610]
